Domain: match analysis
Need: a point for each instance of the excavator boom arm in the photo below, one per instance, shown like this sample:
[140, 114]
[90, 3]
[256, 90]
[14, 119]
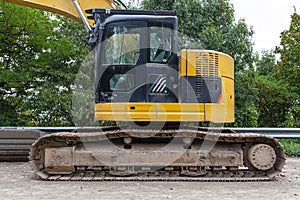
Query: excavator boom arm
[67, 7]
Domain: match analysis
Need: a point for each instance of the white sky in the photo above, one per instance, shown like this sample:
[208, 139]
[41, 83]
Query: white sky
[268, 19]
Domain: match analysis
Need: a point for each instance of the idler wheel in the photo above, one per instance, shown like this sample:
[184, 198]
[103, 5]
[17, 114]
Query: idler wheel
[262, 156]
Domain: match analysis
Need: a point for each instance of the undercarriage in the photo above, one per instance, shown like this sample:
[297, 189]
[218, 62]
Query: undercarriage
[124, 154]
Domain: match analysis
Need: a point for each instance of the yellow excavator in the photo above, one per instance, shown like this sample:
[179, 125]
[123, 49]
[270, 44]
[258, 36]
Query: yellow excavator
[155, 93]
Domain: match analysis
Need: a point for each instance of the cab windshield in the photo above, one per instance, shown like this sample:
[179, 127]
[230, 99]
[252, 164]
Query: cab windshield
[124, 43]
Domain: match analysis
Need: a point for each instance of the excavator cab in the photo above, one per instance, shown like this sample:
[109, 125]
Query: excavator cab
[141, 76]
[136, 52]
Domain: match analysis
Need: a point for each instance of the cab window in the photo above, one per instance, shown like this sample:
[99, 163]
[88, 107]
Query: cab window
[122, 45]
[160, 42]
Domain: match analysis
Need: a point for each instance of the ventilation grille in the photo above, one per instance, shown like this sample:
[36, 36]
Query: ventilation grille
[207, 64]
[207, 80]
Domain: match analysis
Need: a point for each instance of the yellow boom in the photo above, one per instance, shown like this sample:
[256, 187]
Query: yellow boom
[67, 7]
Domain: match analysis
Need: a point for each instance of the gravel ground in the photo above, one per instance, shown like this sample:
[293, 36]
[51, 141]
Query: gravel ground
[18, 182]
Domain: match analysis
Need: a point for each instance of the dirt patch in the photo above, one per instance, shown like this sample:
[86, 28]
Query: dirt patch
[18, 182]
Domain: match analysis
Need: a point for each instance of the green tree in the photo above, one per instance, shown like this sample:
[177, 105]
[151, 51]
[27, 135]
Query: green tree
[275, 102]
[266, 63]
[288, 67]
[278, 104]
[39, 57]
[246, 113]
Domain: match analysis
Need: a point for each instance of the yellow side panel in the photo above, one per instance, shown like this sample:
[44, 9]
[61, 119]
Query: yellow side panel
[176, 112]
[229, 102]
[224, 111]
[226, 66]
[65, 7]
[215, 113]
[171, 112]
[140, 112]
[226, 70]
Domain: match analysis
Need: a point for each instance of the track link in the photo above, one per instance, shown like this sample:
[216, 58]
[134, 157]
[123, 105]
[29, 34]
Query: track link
[107, 173]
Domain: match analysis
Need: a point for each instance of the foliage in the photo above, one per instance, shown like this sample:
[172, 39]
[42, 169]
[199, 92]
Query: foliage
[277, 83]
[39, 57]
[246, 98]
[277, 103]
[288, 68]
[83, 93]
[291, 146]
[133, 4]
[274, 102]
[266, 63]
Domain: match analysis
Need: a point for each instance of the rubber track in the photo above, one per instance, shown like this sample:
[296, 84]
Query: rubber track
[90, 135]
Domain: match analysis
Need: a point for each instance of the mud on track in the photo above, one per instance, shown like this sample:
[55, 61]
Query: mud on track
[18, 182]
